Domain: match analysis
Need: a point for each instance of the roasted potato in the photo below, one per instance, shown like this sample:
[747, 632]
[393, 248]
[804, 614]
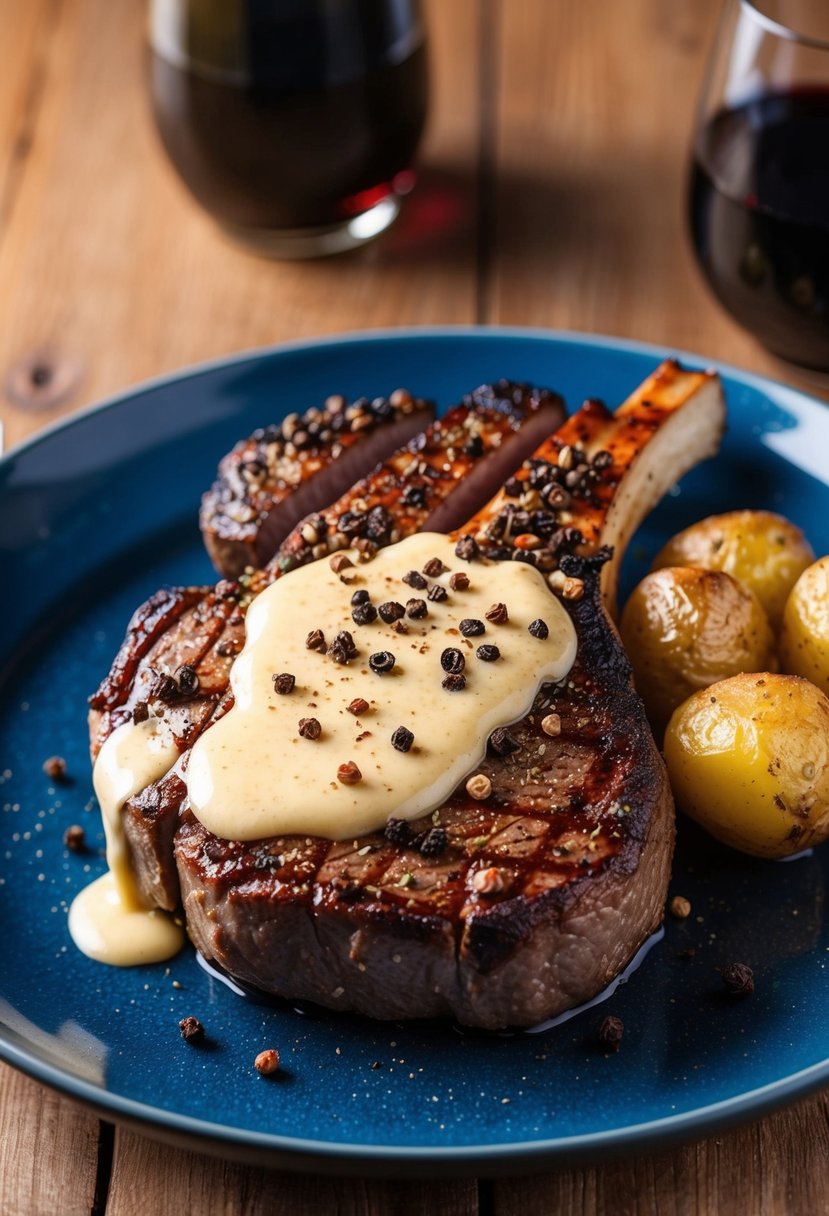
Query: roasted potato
[683, 629]
[804, 634]
[748, 759]
[763, 551]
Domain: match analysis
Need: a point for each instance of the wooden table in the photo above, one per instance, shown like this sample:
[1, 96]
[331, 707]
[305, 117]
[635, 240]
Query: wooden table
[551, 195]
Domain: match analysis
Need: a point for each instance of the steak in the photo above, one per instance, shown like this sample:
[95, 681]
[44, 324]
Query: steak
[501, 913]
[175, 660]
[270, 481]
[509, 910]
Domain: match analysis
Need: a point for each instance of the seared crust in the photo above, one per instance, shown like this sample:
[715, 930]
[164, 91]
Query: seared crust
[411, 490]
[204, 627]
[544, 891]
[198, 627]
[503, 912]
[282, 472]
[597, 477]
[578, 832]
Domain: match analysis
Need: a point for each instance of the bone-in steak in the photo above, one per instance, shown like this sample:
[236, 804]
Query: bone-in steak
[506, 910]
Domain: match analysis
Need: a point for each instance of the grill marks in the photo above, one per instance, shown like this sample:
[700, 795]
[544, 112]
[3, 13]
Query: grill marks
[204, 627]
[540, 891]
[556, 816]
[181, 627]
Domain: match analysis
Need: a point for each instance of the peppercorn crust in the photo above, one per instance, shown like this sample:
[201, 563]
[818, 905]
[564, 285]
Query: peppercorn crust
[271, 480]
[441, 474]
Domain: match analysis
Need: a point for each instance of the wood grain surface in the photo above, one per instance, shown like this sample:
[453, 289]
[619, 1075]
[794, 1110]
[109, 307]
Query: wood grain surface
[551, 194]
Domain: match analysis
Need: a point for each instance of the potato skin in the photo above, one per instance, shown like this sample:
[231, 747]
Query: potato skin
[749, 760]
[684, 629]
[762, 550]
[804, 634]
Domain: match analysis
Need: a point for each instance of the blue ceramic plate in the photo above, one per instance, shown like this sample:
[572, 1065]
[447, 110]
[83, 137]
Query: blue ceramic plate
[96, 514]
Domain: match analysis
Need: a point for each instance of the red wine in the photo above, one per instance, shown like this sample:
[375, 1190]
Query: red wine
[316, 111]
[760, 219]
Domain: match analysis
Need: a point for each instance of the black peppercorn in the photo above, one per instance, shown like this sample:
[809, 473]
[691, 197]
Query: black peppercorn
[488, 654]
[402, 739]
[502, 742]
[399, 832]
[363, 613]
[738, 979]
[284, 683]
[472, 628]
[342, 649]
[415, 579]
[187, 680]
[539, 629]
[391, 612]
[382, 662]
[452, 660]
[467, 549]
[434, 842]
[454, 683]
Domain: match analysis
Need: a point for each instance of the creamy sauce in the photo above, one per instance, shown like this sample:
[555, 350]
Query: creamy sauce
[254, 775]
[104, 927]
[108, 920]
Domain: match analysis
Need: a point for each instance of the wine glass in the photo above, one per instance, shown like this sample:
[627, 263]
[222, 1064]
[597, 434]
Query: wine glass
[759, 188]
[293, 122]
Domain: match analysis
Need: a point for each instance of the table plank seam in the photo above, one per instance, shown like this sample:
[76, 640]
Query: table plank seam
[103, 1174]
[486, 167]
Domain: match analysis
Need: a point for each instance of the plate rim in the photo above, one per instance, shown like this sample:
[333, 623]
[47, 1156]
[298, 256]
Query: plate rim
[409, 333]
[300, 1152]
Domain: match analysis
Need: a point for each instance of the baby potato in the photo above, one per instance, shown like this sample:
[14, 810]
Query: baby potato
[763, 551]
[684, 629]
[804, 635]
[749, 759]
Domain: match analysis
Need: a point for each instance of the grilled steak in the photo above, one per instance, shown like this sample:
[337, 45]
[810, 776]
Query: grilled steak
[509, 910]
[267, 483]
[501, 913]
[199, 631]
